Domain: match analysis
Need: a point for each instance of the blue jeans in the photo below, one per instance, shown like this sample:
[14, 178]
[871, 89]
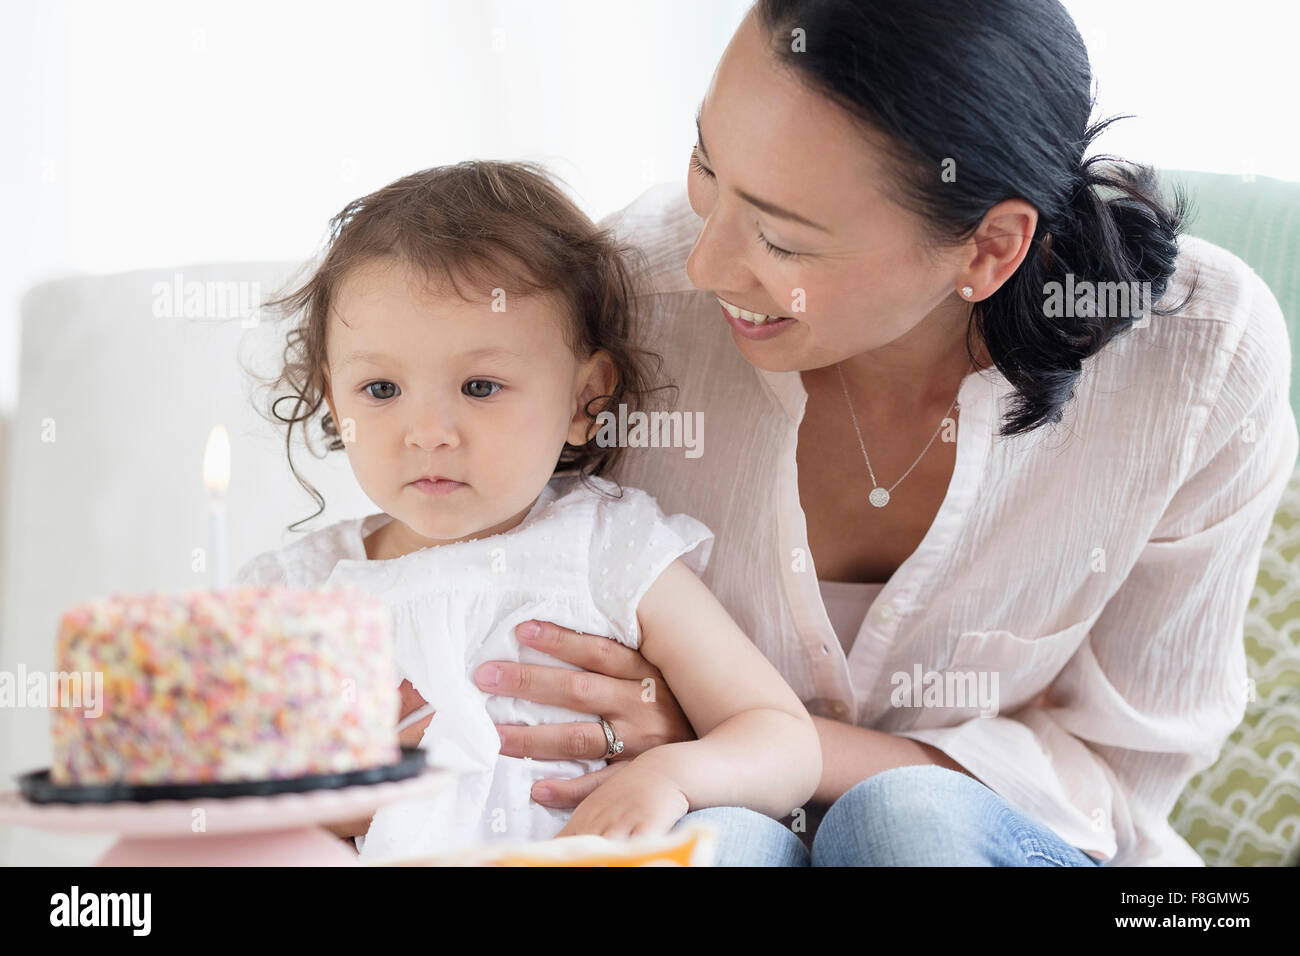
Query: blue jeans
[922, 815]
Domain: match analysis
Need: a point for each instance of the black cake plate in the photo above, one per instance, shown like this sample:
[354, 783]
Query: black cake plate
[37, 787]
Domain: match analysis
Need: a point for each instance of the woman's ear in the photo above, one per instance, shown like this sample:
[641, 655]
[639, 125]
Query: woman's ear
[999, 245]
[596, 378]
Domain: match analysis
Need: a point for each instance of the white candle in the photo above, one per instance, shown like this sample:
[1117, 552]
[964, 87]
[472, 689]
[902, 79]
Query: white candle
[216, 476]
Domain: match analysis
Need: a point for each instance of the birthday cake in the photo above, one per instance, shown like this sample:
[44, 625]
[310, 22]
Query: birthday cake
[222, 686]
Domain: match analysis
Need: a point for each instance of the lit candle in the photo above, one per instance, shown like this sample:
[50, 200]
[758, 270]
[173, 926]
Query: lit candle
[216, 475]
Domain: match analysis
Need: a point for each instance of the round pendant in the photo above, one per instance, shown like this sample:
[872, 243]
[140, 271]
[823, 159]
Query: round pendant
[879, 497]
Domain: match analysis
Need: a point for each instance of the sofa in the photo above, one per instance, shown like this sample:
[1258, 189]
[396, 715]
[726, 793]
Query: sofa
[120, 384]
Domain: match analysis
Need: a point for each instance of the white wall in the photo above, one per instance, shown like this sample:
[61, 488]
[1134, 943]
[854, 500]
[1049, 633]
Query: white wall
[142, 134]
[1212, 84]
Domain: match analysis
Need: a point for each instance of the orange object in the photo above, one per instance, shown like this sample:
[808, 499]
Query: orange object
[689, 846]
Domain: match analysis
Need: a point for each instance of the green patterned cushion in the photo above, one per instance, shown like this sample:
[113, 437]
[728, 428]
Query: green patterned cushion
[1245, 809]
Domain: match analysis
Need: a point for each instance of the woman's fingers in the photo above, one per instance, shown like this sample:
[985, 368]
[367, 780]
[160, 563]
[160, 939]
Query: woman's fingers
[570, 793]
[412, 735]
[615, 682]
[581, 740]
[582, 691]
[411, 701]
[591, 652]
[350, 828]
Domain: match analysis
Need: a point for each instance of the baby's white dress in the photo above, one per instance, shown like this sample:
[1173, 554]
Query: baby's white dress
[579, 559]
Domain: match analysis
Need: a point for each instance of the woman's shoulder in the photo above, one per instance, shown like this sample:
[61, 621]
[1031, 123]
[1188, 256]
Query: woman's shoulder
[1224, 351]
[1227, 290]
[1227, 306]
[662, 227]
[1247, 350]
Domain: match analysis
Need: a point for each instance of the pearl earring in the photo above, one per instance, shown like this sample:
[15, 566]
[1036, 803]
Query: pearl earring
[967, 291]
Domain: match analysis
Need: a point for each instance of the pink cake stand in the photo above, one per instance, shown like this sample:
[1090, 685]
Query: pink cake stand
[279, 830]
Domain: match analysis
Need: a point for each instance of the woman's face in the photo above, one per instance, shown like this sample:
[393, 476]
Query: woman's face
[422, 382]
[780, 166]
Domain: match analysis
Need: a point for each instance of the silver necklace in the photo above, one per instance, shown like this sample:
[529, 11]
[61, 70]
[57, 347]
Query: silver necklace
[880, 496]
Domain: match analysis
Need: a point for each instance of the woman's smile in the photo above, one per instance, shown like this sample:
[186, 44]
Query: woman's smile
[763, 327]
[754, 318]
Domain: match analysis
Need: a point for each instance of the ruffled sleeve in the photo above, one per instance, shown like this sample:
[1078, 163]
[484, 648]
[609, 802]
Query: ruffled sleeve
[632, 543]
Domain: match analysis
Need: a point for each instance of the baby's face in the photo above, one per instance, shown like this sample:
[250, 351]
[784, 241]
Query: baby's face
[423, 383]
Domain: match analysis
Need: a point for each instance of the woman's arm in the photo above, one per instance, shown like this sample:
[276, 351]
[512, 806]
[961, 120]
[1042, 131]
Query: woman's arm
[758, 747]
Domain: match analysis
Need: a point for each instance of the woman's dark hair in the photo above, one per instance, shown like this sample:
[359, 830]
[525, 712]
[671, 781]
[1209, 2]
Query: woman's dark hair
[998, 95]
[493, 225]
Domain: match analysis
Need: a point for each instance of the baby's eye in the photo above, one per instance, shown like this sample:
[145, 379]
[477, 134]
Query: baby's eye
[482, 382]
[383, 385]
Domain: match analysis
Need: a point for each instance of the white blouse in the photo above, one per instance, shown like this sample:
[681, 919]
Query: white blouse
[1097, 570]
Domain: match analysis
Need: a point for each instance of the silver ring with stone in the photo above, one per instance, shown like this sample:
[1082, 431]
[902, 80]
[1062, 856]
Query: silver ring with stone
[613, 743]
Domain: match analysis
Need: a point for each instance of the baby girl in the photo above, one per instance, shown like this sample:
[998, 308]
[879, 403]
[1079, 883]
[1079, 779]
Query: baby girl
[465, 327]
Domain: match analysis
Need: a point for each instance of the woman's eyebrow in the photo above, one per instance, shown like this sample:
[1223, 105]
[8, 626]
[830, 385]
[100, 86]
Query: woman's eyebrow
[772, 209]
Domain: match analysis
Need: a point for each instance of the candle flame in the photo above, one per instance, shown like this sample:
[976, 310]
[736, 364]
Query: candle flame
[216, 460]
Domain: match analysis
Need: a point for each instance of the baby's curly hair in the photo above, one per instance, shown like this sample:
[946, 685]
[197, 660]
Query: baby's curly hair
[495, 225]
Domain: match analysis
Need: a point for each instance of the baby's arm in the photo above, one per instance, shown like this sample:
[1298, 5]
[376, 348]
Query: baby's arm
[758, 746]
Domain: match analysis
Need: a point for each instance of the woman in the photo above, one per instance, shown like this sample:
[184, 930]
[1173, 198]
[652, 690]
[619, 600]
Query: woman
[1054, 640]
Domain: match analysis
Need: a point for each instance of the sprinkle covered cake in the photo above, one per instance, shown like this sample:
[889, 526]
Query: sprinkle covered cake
[223, 686]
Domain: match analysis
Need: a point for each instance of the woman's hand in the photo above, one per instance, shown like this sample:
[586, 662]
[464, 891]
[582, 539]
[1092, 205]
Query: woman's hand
[615, 682]
[411, 702]
[637, 802]
[407, 737]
